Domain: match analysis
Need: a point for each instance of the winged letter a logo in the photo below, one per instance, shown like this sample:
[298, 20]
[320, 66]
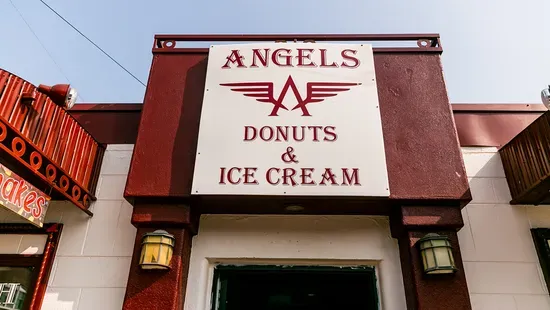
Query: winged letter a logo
[316, 92]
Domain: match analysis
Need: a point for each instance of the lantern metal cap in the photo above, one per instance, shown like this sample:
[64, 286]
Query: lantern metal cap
[158, 232]
[433, 236]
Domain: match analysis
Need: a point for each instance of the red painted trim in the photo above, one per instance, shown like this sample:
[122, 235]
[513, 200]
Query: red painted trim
[375, 50]
[167, 43]
[101, 107]
[54, 235]
[493, 124]
[498, 108]
[316, 37]
[53, 230]
[110, 123]
[56, 140]
[20, 166]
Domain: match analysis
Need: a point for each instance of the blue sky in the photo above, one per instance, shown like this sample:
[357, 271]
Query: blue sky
[494, 51]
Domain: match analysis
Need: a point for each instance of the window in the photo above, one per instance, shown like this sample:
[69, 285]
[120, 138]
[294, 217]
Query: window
[294, 288]
[541, 237]
[24, 277]
[14, 284]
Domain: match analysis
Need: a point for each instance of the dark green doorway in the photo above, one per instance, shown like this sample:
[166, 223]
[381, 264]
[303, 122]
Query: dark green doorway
[294, 288]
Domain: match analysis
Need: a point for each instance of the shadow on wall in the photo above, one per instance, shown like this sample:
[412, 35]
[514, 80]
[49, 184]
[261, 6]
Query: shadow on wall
[57, 212]
[185, 142]
[486, 175]
[65, 300]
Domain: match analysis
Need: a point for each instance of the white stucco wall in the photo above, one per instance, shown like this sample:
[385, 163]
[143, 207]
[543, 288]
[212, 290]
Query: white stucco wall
[298, 239]
[92, 262]
[501, 264]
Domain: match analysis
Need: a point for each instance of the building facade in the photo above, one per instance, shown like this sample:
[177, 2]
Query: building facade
[473, 176]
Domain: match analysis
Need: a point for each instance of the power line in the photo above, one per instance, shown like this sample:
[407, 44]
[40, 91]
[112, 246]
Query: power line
[92, 42]
[41, 44]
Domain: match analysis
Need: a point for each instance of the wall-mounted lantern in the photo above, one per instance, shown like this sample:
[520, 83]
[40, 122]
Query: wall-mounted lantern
[437, 254]
[156, 250]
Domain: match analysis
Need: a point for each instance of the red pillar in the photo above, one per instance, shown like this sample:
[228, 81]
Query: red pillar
[156, 289]
[435, 292]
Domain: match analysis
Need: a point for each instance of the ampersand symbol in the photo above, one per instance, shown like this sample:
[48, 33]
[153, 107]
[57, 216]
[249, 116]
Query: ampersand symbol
[288, 156]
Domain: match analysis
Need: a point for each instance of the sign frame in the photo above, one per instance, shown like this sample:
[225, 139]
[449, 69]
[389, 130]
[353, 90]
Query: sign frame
[260, 101]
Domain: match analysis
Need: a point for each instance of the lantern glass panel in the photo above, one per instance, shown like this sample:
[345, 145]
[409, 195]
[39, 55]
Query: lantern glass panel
[451, 257]
[165, 254]
[442, 256]
[430, 258]
[424, 259]
[142, 256]
[151, 253]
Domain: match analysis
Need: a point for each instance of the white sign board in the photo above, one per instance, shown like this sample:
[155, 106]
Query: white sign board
[291, 119]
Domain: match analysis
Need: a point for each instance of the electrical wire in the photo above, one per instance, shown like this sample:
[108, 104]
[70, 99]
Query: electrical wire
[92, 42]
[42, 44]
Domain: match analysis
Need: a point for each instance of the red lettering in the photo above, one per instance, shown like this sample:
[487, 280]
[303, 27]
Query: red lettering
[328, 176]
[253, 135]
[31, 197]
[324, 60]
[230, 174]
[266, 137]
[287, 57]
[264, 59]
[268, 176]
[353, 59]
[281, 133]
[302, 56]
[352, 179]
[306, 176]
[20, 191]
[288, 177]
[249, 176]
[37, 210]
[222, 175]
[235, 57]
[290, 133]
[330, 131]
[315, 128]
[284, 57]
[8, 189]
[295, 133]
